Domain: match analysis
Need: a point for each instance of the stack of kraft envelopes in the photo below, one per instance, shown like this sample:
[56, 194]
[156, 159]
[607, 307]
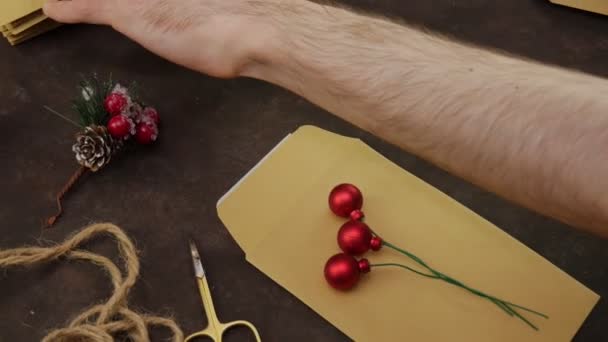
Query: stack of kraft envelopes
[23, 19]
[597, 6]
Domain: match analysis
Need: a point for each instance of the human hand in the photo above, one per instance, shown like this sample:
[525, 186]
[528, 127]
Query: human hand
[217, 37]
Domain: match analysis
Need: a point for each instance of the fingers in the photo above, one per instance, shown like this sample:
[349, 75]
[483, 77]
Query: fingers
[77, 11]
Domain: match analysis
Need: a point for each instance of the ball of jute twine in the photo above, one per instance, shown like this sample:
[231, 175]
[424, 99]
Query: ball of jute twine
[99, 322]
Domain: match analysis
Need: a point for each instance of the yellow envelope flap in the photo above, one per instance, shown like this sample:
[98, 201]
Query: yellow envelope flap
[13, 10]
[597, 6]
[279, 216]
[233, 208]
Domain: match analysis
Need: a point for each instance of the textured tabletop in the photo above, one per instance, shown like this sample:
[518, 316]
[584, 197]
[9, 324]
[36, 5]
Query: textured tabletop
[213, 132]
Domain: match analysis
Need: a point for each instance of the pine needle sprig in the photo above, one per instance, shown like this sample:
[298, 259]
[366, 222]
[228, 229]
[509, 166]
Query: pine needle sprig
[90, 105]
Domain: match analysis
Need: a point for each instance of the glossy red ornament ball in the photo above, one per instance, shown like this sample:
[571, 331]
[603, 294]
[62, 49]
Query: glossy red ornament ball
[151, 114]
[376, 243]
[146, 133]
[354, 237]
[115, 103]
[344, 199]
[342, 271]
[120, 126]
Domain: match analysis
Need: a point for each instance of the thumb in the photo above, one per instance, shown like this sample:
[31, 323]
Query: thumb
[77, 11]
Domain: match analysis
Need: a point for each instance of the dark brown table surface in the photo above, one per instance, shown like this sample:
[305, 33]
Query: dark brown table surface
[213, 132]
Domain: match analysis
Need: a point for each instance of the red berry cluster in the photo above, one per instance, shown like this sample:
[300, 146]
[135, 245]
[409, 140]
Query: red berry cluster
[129, 118]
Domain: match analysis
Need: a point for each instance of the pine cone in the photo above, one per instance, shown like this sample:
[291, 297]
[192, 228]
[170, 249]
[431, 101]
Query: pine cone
[94, 147]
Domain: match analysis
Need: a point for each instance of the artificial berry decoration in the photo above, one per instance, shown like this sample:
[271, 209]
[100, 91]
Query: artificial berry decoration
[357, 215]
[364, 265]
[146, 133]
[354, 237]
[151, 114]
[108, 112]
[120, 126]
[115, 103]
[342, 271]
[344, 199]
[375, 244]
[135, 111]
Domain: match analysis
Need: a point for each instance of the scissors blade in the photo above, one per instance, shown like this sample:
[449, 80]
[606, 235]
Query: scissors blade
[199, 271]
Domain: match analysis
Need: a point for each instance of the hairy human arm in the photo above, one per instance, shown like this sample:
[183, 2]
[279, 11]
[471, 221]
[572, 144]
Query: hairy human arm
[534, 134]
[531, 133]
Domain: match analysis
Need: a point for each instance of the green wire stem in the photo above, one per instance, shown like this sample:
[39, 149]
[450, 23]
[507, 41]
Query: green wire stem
[507, 307]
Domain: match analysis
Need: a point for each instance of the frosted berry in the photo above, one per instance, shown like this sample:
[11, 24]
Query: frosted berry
[120, 126]
[151, 114]
[115, 103]
[146, 133]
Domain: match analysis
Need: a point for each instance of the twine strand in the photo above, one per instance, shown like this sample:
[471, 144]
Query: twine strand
[98, 323]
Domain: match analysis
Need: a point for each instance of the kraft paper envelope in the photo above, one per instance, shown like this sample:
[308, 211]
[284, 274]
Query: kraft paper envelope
[598, 6]
[26, 22]
[278, 214]
[12, 10]
[34, 31]
[23, 20]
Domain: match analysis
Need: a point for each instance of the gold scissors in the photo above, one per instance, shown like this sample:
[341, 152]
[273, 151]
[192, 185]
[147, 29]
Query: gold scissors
[216, 329]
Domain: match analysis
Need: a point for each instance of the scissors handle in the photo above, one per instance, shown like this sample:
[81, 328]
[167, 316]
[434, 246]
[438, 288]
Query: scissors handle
[217, 334]
[204, 333]
[228, 326]
[215, 330]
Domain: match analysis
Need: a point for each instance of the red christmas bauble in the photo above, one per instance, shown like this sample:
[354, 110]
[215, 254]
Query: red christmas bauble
[146, 133]
[376, 243]
[344, 199]
[115, 103]
[120, 126]
[152, 115]
[354, 237]
[342, 271]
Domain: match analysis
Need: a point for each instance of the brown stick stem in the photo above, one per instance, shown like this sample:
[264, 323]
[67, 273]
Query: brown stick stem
[51, 220]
